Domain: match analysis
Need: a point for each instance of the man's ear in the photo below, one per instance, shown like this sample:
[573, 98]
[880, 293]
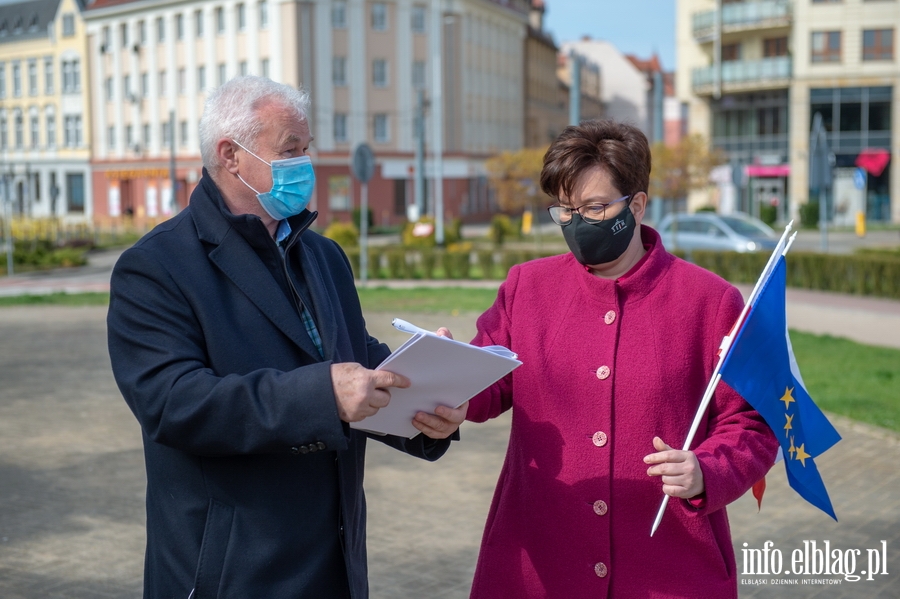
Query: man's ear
[226, 153]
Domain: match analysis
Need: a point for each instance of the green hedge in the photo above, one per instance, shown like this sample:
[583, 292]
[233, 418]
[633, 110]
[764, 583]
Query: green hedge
[434, 263]
[863, 274]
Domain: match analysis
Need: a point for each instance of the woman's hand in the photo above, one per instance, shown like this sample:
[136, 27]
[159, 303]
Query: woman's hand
[680, 470]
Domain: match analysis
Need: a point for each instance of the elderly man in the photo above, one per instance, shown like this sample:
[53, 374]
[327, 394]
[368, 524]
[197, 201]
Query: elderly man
[237, 339]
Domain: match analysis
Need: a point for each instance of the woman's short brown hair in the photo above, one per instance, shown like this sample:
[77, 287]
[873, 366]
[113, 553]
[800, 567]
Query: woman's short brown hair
[619, 148]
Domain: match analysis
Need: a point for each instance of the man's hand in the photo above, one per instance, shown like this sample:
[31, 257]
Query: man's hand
[360, 392]
[443, 423]
[680, 470]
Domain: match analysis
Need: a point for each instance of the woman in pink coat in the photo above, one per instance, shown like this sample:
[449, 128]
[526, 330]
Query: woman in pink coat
[618, 340]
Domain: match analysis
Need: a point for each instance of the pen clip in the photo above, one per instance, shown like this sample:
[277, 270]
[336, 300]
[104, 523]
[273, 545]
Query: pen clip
[408, 327]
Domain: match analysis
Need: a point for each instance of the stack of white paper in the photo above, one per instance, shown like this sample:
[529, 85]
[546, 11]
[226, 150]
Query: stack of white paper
[443, 372]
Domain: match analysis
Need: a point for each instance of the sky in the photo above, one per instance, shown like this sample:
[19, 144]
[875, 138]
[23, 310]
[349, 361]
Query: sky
[639, 27]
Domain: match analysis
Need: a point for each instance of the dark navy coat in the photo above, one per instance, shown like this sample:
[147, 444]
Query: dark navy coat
[254, 484]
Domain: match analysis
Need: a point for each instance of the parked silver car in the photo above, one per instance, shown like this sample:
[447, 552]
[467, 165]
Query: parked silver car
[737, 232]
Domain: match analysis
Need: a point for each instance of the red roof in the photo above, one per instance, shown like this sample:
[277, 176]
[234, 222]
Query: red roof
[104, 3]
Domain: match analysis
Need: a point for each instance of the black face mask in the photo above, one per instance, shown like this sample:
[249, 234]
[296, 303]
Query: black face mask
[601, 242]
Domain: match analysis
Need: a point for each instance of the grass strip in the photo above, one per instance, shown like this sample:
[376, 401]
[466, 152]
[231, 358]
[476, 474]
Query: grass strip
[57, 299]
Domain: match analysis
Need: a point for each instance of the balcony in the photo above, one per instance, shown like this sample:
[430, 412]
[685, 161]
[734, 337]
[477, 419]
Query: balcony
[742, 16]
[744, 75]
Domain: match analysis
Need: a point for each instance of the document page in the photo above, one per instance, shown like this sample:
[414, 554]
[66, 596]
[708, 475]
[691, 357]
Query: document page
[443, 372]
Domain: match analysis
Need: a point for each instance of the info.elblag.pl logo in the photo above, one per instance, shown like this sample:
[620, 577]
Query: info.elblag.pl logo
[815, 558]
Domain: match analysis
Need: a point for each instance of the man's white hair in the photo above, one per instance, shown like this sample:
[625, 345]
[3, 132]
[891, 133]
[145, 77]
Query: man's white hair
[231, 111]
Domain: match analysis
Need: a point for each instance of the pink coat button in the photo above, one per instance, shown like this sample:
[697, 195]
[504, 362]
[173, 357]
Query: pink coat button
[599, 438]
[600, 569]
[600, 507]
[609, 317]
[603, 373]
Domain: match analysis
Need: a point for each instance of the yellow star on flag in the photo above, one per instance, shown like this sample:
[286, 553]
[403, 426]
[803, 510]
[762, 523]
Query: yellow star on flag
[802, 455]
[787, 398]
[792, 449]
[787, 425]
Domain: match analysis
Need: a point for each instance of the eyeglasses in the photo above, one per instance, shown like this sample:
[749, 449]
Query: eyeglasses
[591, 213]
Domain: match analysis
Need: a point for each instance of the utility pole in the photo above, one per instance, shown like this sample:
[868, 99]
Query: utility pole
[437, 113]
[420, 153]
[172, 181]
[575, 63]
[7, 221]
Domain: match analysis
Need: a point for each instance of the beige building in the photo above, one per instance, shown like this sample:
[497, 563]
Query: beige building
[546, 108]
[364, 64]
[753, 73]
[45, 118]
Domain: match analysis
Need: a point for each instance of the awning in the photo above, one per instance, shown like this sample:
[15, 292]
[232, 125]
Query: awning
[873, 160]
[768, 170]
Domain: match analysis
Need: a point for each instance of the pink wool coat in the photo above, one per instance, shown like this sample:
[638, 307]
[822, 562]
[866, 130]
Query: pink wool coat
[608, 365]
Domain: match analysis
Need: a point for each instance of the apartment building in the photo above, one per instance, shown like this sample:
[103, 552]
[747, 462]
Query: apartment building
[546, 110]
[364, 63]
[44, 111]
[753, 73]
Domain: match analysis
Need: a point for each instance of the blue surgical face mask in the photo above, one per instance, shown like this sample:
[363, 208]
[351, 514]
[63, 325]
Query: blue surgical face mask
[293, 180]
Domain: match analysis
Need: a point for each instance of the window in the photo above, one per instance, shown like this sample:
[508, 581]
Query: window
[19, 133]
[201, 78]
[241, 17]
[71, 76]
[220, 20]
[826, 46]
[179, 26]
[379, 72]
[146, 134]
[4, 132]
[222, 74]
[418, 19]
[775, 46]
[731, 52]
[32, 77]
[75, 192]
[380, 132]
[160, 30]
[182, 81]
[142, 32]
[2, 79]
[48, 75]
[339, 70]
[198, 22]
[339, 15]
[73, 131]
[878, 44]
[340, 127]
[242, 67]
[379, 16]
[183, 132]
[164, 128]
[126, 86]
[123, 34]
[161, 83]
[105, 37]
[109, 89]
[17, 79]
[68, 23]
[263, 13]
[418, 74]
[879, 116]
[51, 129]
[145, 84]
[129, 135]
[35, 131]
[265, 67]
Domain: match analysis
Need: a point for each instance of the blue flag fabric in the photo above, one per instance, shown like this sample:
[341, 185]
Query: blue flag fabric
[761, 367]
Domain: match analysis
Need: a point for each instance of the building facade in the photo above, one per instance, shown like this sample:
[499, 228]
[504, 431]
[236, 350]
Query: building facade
[366, 64]
[45, 117]
[754, 73]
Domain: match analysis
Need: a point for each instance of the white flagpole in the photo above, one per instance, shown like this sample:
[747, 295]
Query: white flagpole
[784, 244]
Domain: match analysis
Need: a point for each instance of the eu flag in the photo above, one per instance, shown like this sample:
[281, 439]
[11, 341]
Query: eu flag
[761, 367]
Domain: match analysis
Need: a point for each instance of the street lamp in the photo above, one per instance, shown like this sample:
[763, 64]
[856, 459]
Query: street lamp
[7, 218]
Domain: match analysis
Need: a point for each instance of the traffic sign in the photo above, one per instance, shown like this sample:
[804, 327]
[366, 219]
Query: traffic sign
[363, 165]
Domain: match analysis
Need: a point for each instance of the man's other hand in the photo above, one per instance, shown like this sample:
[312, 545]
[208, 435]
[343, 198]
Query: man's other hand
[360, 392]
